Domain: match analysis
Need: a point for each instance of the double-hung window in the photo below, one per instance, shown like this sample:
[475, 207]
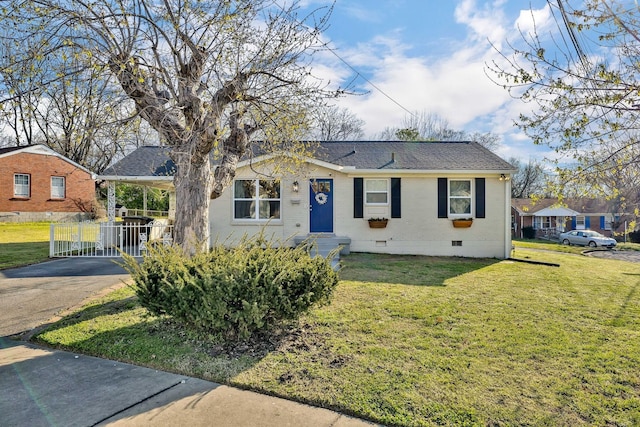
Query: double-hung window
[580, 222]
[21, 185]
[57, 187]
[541, 222]
[608, 222]
[376, 191]
[460, 200]
[256, 199]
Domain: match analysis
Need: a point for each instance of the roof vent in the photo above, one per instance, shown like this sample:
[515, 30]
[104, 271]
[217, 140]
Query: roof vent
[393, 157]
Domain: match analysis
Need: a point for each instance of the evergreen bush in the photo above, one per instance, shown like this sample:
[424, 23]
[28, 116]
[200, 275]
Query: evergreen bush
[634, 236]
[233, 292]
[528, 232]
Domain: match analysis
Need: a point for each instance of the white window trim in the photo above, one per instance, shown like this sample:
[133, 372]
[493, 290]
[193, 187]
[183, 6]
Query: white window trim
[539, 222]
[471, 196]
[64, 187]
[257, 201]
[386, 191]
[16, 186]
[579, 225]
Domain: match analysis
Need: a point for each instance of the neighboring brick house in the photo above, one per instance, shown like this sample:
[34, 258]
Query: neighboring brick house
[549, 218]
[38, 184]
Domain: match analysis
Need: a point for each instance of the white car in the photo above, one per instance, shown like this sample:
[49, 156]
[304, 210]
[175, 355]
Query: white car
[586, 238]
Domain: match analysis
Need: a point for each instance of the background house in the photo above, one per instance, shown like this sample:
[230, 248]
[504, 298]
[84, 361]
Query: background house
[38, 184]
[419, 187]
[550, 218]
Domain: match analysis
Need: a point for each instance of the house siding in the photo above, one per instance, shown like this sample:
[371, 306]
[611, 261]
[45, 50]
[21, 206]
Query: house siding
[79, 189]
[418, 231]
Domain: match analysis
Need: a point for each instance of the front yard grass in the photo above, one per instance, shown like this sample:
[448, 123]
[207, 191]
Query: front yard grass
[417, 341]
[23, 243]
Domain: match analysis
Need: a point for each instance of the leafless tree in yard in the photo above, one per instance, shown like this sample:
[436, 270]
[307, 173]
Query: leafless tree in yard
[211, 77]
[333, 123]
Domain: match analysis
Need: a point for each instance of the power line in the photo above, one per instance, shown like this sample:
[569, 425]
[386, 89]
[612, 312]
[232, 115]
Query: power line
[368, 81]
[344, 61]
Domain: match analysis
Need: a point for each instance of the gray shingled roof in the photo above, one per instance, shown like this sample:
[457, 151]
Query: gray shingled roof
[10, 149]
[144, 161]
[384, 155]
[401, 155]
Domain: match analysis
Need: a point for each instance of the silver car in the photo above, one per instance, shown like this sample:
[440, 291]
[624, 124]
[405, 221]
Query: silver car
[586, 238]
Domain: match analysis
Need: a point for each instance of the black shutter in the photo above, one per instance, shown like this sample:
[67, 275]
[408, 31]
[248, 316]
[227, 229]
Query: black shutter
[395, 198]
[358, 198]
[442, 198]
[480, 198]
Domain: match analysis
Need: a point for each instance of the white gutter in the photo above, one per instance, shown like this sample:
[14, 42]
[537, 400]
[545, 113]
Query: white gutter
[439, 172]
[134, 178]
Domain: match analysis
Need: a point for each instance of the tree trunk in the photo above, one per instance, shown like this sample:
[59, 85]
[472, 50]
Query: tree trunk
[193, 186]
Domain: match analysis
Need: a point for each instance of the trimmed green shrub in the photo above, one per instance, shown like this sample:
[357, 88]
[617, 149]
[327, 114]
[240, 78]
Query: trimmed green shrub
[232, 292]
[528, 232]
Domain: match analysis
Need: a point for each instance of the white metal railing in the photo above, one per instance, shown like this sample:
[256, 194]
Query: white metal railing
[107, 239]
[551, 233]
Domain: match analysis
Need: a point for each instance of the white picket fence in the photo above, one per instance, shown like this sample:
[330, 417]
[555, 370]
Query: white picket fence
[107, 239]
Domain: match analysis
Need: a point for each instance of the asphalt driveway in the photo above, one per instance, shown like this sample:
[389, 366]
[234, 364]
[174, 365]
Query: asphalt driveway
[631, 256]
[32, 295]
[51, 387]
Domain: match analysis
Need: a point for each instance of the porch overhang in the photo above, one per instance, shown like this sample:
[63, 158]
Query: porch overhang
[556, 211]
[161, 182]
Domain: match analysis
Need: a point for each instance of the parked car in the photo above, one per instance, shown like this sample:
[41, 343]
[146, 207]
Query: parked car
[586, 238]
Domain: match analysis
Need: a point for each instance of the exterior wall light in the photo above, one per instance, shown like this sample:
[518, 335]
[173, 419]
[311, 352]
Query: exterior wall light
[295, 187]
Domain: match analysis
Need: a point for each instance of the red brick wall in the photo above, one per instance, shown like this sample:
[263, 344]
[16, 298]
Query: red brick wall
[78, 184]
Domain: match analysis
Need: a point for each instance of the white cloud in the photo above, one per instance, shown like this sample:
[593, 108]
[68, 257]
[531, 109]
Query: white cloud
[534, 20]
[485, 22]
[454, 86]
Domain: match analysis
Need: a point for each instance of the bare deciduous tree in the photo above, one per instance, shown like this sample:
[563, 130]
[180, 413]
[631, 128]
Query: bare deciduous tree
[209, 76]
[333, 123]
[65, 104]
[425, 126]
[530, 179]
[581, 79]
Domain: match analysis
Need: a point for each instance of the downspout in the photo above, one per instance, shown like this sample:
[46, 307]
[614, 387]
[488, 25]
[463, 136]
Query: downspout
[507, 210]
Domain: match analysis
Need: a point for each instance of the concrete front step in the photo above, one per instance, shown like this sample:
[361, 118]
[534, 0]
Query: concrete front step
[325, 242]
[324, 245]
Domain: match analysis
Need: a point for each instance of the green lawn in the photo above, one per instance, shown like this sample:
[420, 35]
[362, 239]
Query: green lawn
[23, 244]
[415, 341]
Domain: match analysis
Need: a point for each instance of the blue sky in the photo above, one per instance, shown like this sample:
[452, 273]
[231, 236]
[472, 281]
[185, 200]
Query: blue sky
[430, 55]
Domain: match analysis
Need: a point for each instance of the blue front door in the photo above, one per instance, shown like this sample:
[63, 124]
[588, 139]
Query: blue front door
[321, 205]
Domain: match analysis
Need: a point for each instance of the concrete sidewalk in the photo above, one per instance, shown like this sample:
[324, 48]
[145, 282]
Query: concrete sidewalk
[44, 387]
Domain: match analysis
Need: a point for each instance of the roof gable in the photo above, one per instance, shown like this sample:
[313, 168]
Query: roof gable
[147, 161]
[39, 149]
